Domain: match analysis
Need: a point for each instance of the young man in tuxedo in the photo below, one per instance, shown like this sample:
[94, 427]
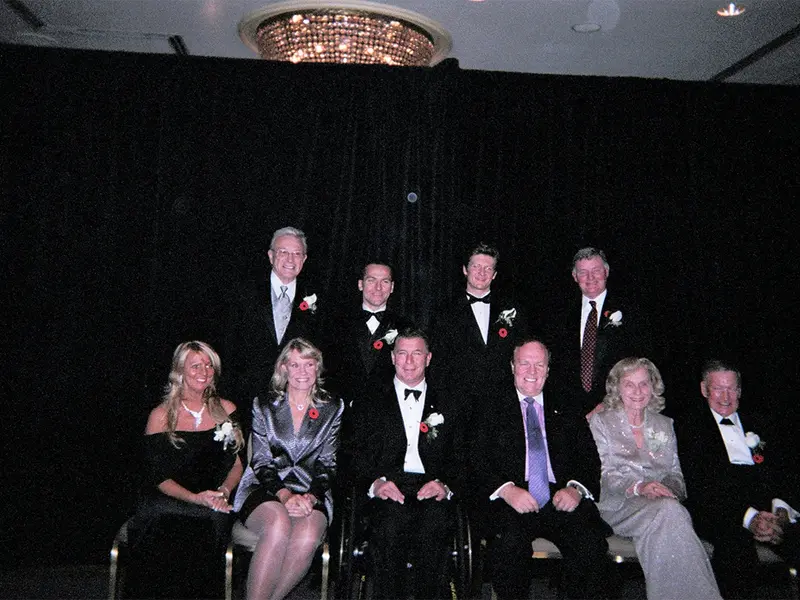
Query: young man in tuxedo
[739, 486]
[537, 472]
[593, 332]
[405, 465]
[263, 320]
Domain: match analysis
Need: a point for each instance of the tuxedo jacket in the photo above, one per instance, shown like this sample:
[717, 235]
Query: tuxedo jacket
[251, 346]
[358, 357]
[461, 361]
[719, 492]
[614, 342]
[380, 446]
[501, 454]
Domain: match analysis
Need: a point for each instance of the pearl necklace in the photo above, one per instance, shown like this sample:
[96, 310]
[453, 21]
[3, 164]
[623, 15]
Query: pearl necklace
[197, 414]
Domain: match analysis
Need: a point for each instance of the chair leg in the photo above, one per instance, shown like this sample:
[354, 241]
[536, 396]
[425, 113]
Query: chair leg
[326, 569]
[113, 592]
[229, 571]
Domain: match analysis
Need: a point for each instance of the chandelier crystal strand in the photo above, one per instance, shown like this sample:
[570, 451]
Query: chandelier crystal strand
[343, 36]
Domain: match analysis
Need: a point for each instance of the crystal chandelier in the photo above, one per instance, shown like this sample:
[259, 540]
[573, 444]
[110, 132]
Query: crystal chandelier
[347, 32]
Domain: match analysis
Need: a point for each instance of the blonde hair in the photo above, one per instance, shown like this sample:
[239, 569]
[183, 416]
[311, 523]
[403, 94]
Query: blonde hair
[613, 400]
[173, 392]
[280, 376]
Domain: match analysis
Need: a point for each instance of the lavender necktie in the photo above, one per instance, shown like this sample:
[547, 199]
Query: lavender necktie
[282, 312]
[538, 483]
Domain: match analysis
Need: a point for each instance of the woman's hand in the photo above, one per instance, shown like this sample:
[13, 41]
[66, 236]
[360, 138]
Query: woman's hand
[297, 505]
[213, 499]
[655, 489]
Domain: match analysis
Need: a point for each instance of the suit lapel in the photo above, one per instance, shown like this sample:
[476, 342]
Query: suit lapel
[268, 316]
[472, 332]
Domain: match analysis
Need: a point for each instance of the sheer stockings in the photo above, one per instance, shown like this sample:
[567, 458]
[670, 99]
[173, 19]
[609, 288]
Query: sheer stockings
[284, 551]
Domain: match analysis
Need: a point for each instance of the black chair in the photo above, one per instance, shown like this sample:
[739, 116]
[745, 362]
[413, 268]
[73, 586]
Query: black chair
[353, 557]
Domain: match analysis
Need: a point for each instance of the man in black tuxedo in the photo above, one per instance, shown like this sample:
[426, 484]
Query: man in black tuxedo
[737, 485]
[473, 340]
[592, 334]
[268, 317]
[404, 462]
[537, 471]
[363, 337]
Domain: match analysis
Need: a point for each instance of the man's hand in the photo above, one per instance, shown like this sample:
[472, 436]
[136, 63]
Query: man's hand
[519, 499]
[655, 489]
[433, 489]
[387, 490]
[566, 499]
[766, 528]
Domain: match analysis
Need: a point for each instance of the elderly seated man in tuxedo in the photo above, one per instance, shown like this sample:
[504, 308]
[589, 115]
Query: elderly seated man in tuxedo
[403, 456]
[537, 471]
[738, 491]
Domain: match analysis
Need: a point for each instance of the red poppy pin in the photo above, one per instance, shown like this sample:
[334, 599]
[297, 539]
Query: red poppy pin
[423, 427]
[303, 305]
[758, 458]
[377, 344]
[502, 332]
[313, 414]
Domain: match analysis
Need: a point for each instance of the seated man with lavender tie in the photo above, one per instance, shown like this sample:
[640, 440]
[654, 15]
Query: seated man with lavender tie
[537, 471]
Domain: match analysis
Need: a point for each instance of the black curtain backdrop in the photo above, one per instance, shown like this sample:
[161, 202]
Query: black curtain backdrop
[140, 191]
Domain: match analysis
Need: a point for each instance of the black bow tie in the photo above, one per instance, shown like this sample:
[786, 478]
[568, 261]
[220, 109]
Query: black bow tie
[473, 299]
[726, 421]
[368, 315]
[417, 393]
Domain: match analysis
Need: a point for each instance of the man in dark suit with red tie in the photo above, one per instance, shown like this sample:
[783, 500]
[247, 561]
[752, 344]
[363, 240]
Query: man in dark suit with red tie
[537, 471]
[741, 484]
[264, 319]
[593, 333]
[405, 465]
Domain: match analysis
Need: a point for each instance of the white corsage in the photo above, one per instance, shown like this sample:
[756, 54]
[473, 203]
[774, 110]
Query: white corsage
[390, 336]
[309, 303]
[756, 446]
[428, 426]
[614, 318]
[656, 440]
[507, 316]
[224, 433]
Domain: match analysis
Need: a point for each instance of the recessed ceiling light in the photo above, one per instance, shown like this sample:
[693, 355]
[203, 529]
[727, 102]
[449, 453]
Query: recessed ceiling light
[586, 27]
[731, 10]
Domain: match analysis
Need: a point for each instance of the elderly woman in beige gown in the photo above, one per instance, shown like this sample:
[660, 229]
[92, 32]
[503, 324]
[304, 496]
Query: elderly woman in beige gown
[642, 485]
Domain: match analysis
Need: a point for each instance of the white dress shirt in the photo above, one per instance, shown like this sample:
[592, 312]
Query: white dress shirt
[481, 311]
[373, 323]
[411, 409]
[276, 283]
[586, 309]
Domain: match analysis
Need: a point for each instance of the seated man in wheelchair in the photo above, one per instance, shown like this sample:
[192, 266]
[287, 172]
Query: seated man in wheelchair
[403, 458]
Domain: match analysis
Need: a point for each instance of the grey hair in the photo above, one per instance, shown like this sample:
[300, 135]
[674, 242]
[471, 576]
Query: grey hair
[293, 231]
[589, 252]
[626, 366]
[716, 365]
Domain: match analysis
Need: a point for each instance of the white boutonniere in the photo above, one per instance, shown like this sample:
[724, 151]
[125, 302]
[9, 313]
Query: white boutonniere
[309, 303]
[224, 433]
[386, 339]
[507, 316]
[756, 446]
[655, 440]
[614, 318]
[429, 425]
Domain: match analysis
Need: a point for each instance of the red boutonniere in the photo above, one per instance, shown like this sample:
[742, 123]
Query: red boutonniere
[423, 427]
[502, 332]
[303, 306]
[758, 458]
[756, 446]
[313, 414]
[377, 344]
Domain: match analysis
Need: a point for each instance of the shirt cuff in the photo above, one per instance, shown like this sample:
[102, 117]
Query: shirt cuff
[447, 490]
[748, 517]
[793, 514]
[496, 493]
[371, 492]
[581, 488]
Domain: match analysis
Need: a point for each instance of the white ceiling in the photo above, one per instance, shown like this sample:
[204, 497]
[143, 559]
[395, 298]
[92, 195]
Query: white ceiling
[669, 39]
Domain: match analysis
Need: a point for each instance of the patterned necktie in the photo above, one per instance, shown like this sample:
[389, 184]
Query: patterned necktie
[538, 483]
[282, 312]
[587, 348]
